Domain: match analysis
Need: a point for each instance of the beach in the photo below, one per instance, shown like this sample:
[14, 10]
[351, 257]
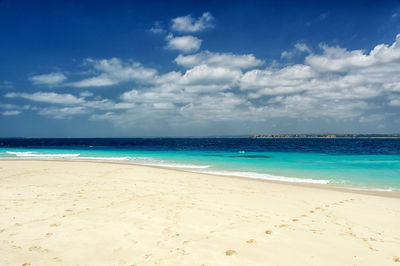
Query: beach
[98, 213]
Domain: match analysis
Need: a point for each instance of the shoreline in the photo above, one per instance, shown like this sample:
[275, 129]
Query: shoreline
[333, 187]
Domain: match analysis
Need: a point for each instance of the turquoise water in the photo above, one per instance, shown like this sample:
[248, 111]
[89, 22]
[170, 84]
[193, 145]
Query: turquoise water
[370, 171]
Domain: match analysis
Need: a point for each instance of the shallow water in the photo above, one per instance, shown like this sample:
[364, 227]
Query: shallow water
[365, 163]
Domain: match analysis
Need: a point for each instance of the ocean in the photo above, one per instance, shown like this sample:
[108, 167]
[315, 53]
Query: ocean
[371, 164]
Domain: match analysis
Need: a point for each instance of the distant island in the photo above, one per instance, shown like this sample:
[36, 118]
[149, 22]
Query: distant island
[328, 136]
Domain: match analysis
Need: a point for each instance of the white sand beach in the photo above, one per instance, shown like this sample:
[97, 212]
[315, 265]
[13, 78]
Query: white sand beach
[91, 213]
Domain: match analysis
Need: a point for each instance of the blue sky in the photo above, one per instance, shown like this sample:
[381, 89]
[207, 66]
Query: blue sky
[198, 68]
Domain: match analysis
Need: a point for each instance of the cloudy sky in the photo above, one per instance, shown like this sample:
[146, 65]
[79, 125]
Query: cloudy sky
[200, 68]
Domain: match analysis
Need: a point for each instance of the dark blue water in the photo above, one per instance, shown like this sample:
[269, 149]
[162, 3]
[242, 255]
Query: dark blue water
[327, 146]
[370, 163]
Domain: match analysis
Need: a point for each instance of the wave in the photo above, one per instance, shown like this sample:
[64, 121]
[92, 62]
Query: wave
[43, 155]
[177, 165]
[254, 175]
[104, 158]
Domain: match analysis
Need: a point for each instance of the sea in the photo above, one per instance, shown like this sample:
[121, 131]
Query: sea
[366, 164]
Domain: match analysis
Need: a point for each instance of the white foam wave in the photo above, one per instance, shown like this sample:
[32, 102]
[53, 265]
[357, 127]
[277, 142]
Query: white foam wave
[104, 158]
[176, 165]
[373, 189]
[267, 177]
[28, 154]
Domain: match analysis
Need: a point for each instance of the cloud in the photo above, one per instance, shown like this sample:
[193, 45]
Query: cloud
[6, 85]
[299, 48]
[114, 71]
[62, 113]
[189, 24]
[336, 59]
[371, 118]
[86, 94]
[47, 97]
[13, 106]
[332, 84]
[48, 79]
[11, 112]
[204, 78]
[394, 100]
[302, 47]
[157, 28]
[184, 44]
[227, 60]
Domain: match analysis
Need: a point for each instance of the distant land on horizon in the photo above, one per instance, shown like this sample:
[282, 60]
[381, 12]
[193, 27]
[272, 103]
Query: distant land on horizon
[258, 136]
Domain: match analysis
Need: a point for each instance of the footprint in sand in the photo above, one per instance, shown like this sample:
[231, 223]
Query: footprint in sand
[268, 232]
[38, 249]
[396, 259]
[54, 225]
[230, 252]
[295, 220]
[250, 241]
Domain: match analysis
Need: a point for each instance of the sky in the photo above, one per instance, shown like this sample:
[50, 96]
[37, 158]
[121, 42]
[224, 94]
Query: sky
[198, 68]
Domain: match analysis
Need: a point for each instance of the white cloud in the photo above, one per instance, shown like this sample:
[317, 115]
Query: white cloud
[11, 112]
[48, 79]
[227, 60]
[114, 71]
[203, 78]
[302, 47]
[185, 44]
[13, 106]
[6, 84]
[86, 94]
[189, 24]
[298, 49]
[336, 59]
[371, 118]
[157, 28]
[335, 84]
[62, 113]
[394, 100]
[47, 97]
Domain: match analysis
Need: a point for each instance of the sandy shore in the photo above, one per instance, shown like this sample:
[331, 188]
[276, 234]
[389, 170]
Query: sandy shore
[83, 213]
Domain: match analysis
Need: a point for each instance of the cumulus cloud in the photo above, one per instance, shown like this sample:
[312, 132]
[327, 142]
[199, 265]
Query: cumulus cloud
[71, 105]
[86, 94]
[13, 106]
[48, 79]
[204, 78]
[184, 44]
[394, 100]
[6, 84]
[11, 112]
[157, 28]
[298, 49]
[47, 97]
[114, 71]
[62, 113]
[189, 24]
[331, 84]
[227, 60]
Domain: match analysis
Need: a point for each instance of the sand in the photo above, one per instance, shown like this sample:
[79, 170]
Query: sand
[87, 213]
